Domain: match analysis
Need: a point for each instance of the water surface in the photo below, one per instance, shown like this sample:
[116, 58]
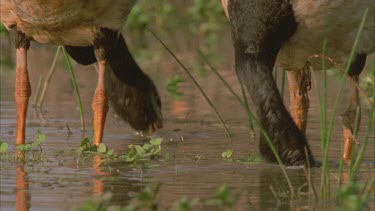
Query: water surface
[192, 136]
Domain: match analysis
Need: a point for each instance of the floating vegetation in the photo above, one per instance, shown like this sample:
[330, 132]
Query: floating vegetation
[37, 143]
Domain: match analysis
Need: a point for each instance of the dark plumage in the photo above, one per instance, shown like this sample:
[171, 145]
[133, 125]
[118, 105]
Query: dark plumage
[286, 33]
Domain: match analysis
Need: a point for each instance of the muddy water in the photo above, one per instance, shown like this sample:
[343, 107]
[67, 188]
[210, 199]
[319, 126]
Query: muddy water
[56, 178]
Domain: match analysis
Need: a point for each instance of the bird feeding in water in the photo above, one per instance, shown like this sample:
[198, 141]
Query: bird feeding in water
[90, 32]
[287, 33]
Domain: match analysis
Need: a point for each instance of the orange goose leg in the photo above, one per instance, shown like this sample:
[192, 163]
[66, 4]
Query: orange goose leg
[100, 100]
[22, 87]
[348, 118]
[99, 105]
[299, 100]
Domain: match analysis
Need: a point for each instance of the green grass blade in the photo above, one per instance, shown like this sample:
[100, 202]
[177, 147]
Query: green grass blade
[343, 78]
[76, 90]
[264, 133]
[362, 150]
[326, 140]
[49, 76]
[341, 166]
[195, 82]
[38, 90]
[221, 78]
[247, 107]
[325, 173]
[243, 102]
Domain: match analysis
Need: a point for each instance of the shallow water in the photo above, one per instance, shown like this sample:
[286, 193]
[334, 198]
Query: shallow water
[192, 135]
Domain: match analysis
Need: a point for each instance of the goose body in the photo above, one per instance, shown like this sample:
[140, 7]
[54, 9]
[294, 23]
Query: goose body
[90, 31]
[337, 21]
[64, 22]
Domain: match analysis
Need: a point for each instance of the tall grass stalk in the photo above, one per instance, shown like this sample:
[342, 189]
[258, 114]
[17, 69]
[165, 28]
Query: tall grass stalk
[38, 90]
[76, 90]
[347, 67]
[238, 98]
[325, 186]
[342, 71]
[243, 102]
[247, 108]
[356, 122]
[278, 159]
[355, 131]
[358, 160]
[255, 121]
[368, 188]
[195, 82]
[341, 167]
[323, 128]
[262, 130]
[326, 136]
[49, 76]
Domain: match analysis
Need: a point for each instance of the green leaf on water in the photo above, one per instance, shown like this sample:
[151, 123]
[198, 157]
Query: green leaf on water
[110, 152]
[167, 156]
[80, 150]
[3, 147]
[147, 147]
[156, 141]
[84, 142]
[24, 147]
[102, 148]
[34, 144]
[227, 154]
[39, 136]
[140, 150]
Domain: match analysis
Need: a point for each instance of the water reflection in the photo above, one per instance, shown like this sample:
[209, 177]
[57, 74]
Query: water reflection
[179, 109]
[110, 179]
[273, 183]
[23, 195]
[98, 184]
[196, 169]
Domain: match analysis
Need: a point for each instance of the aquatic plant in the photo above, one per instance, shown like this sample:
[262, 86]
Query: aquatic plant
[3, 147]
[37, 142]
[141, 153]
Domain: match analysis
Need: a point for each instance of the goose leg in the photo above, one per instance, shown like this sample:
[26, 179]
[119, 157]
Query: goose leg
[99, 105]
[299, 82]
[100, 100]
[348, 118]
[348, 121]
[22, 87]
